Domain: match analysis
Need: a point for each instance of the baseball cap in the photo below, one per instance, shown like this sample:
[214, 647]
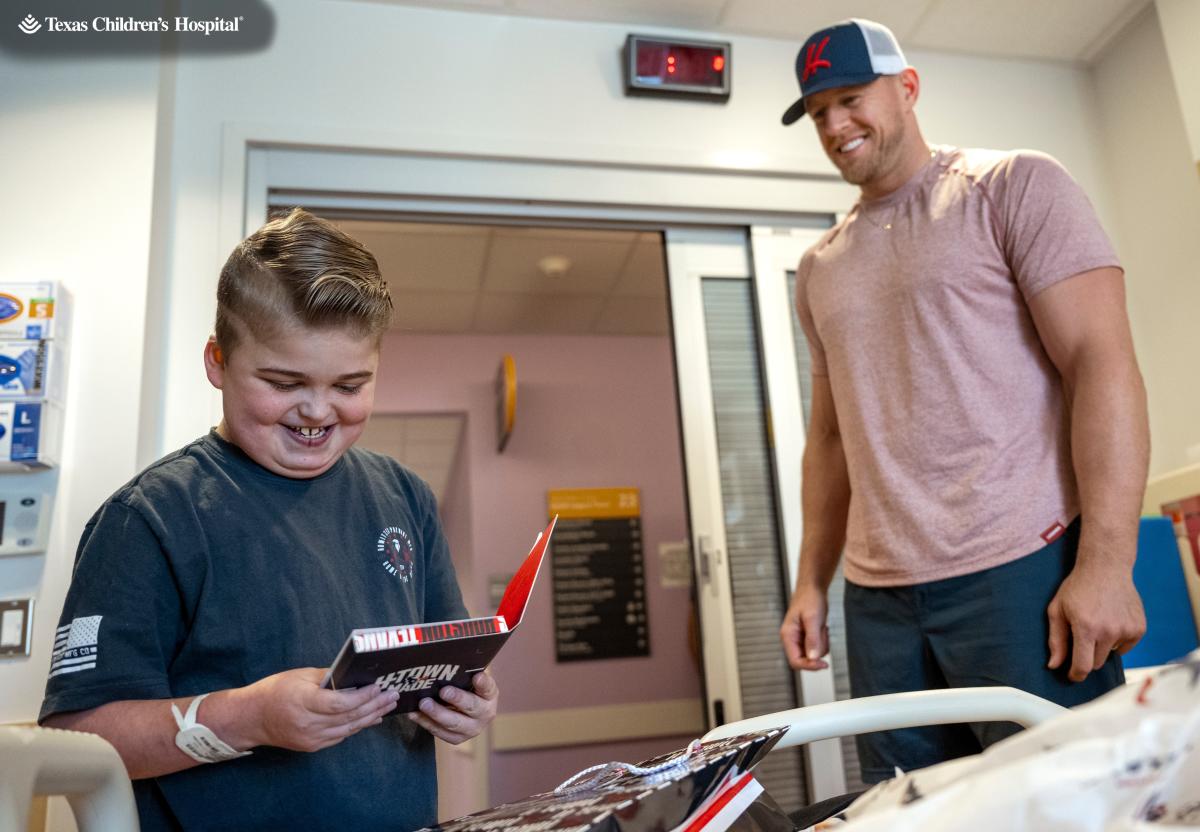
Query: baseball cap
[843, 55]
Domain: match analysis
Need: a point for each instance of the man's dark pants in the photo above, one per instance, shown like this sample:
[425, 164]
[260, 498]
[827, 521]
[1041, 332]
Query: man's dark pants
[986, 628]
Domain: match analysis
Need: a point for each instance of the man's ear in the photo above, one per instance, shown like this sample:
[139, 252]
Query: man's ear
[214, 363]
[910, 87]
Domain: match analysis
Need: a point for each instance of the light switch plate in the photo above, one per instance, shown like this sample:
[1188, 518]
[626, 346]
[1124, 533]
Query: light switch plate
[16, 627]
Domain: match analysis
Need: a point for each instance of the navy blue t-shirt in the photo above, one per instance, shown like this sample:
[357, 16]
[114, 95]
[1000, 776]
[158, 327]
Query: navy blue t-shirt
[207, 572]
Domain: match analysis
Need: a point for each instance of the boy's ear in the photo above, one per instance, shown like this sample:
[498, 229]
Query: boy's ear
[214, 363]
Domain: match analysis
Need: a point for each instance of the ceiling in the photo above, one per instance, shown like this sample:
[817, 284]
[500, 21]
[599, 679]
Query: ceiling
[478, 279]
[1059, 30]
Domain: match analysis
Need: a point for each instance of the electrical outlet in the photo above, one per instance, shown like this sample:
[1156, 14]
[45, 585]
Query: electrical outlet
[16, 627]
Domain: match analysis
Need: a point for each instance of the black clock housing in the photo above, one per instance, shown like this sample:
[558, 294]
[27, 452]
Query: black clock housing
[677, 68]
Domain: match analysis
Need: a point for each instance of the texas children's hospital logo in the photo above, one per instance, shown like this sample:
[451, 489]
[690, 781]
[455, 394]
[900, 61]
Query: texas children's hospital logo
[31, 25]
[397, 550]
[89, 29]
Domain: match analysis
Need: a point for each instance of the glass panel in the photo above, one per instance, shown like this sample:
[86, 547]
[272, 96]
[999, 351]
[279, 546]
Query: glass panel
[837, 616]
[751, 528]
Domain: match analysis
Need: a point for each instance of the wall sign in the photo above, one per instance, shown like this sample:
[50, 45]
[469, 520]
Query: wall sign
[598, 574]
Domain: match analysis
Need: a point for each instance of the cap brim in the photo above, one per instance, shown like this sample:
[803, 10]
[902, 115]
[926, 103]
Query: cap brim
[796, 111]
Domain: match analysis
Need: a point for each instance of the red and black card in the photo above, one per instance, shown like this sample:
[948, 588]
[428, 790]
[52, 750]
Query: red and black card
[419, 659]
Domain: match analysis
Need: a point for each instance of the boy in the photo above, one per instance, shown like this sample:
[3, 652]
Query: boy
[211, 589]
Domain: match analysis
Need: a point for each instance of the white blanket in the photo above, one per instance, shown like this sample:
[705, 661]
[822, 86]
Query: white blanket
[1127, 761]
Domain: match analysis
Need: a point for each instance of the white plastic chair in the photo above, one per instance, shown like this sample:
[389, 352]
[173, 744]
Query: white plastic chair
[82, 767]
[897, 710]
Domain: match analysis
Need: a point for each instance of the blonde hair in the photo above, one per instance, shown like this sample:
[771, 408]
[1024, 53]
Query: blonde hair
[300, 270]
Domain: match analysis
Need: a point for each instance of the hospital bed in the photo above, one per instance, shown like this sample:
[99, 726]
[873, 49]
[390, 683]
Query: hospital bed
[887, 712]
[83, 767]
[897, 710]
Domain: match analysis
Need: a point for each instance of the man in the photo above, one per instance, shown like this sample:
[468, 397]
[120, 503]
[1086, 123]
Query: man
[978, 443]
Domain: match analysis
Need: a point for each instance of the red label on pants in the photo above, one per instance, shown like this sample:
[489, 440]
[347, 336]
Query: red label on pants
[1054, 532]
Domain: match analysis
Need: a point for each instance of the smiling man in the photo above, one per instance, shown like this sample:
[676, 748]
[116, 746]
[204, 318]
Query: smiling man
[978, 441]
[212, 589]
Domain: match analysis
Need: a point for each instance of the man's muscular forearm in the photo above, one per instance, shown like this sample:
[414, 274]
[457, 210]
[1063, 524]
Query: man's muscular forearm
[825, 494]
[1110, 451]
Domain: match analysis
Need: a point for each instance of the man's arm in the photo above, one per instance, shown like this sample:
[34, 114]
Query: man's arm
[825, 497]
[287, 710]
[1085, 331]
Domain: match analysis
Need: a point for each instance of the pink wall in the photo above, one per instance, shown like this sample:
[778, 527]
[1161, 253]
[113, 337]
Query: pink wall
[455, 511]
[592, 411]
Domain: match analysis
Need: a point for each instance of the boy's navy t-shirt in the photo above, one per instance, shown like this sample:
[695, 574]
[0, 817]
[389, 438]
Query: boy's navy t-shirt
[207, 572]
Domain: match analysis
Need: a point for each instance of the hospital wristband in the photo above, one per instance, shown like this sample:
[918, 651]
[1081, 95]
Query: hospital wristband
[198, 741]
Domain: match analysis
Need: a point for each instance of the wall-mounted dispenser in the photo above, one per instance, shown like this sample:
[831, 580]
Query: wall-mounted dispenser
[34, 333]
[34, 336]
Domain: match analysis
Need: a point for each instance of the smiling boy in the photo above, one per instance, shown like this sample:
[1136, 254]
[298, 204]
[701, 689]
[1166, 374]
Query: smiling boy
[210, 591]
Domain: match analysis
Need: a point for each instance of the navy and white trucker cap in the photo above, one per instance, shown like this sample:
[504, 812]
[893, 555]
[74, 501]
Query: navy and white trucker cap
[844, 55]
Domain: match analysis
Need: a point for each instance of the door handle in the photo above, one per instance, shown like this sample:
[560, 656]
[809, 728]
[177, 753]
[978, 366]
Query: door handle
[710, 558]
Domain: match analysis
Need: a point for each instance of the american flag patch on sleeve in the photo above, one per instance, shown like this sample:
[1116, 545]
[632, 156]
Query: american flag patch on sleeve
[76, 646]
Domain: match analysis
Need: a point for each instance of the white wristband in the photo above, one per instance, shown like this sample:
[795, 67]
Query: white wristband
[197, 741]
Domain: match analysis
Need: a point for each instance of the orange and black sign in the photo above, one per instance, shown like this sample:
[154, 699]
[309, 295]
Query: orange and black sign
[598, 574]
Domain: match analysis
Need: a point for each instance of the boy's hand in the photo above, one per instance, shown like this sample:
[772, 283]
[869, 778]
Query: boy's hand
[296, 713]
[464, 714]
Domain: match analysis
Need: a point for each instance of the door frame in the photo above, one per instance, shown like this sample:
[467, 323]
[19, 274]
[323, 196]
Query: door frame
[262, 167]
[694, 254]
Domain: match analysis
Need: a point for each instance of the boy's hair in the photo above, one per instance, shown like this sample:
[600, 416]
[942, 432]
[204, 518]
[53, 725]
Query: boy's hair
[300, 269]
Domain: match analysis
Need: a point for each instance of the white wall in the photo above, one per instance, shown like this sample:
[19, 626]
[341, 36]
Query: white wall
[77, 144]
[1156, 194]
[1180, 24]
[416, 77]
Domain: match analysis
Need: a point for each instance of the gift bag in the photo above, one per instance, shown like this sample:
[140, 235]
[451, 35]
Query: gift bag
[703, 788]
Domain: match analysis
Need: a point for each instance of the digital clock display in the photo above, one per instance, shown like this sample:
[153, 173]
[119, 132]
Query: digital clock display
[676, 67]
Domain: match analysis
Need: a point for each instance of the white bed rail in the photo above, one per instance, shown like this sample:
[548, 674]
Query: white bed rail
[897, 710]
[83, 767]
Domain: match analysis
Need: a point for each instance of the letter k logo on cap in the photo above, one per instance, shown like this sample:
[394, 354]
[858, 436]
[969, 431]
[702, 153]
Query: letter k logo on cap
[813, 60]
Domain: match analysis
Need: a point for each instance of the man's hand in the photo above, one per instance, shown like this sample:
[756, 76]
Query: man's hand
[1096, 610]
[464, 715]
[804, 633]
[296, 713]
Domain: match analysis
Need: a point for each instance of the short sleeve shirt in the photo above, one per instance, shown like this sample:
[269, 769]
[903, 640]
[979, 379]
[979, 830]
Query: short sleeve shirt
[208, 572]
[951, 413]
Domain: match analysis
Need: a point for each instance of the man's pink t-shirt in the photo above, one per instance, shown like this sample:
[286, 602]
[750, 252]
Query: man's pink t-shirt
[951, 414]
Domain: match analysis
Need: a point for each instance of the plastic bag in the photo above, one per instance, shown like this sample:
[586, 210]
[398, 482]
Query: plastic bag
[1127, 762]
